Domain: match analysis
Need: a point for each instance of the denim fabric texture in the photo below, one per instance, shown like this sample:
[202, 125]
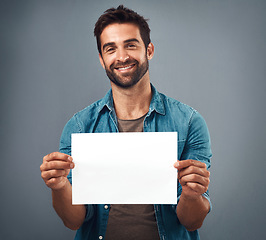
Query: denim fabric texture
[165, 115]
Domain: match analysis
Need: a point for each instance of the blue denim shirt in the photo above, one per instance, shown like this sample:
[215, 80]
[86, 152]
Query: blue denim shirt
[165, 115]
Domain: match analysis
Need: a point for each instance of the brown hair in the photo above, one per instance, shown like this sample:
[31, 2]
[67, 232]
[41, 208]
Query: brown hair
[121, 14]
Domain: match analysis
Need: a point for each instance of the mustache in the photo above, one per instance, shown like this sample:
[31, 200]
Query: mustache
[123, 64]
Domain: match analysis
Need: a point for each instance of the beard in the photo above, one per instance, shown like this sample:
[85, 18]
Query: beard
[127, 80]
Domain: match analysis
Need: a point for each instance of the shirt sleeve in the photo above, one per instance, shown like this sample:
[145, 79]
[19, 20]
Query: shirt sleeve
[72, 126]
[197, 146]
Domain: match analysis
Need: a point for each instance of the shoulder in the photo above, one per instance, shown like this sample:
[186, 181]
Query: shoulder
[178, 108]
[184, 116]
[78, 122]
[89, 111]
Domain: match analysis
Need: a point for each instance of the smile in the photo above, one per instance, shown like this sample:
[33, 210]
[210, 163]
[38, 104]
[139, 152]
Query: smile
[125, 68]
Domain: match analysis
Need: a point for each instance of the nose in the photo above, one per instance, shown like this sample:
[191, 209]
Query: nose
[122, 55]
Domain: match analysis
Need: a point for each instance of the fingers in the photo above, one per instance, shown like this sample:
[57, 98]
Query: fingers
[55, 168]
[56, 164]
[197, 188]
[186, 163]
[195, 181]
[57, 156]
[56, 183]
[57, 160]
[193, 170]
[54, 174]
[193, 176]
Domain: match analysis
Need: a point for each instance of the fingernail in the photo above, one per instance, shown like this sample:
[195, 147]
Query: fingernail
[70, 158]
[176, 164]
[71, 165]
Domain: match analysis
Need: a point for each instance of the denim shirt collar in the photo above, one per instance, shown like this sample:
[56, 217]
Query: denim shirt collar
[155, 105]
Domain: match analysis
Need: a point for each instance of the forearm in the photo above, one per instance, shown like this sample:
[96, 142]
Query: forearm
[192, 212]
[72, 215]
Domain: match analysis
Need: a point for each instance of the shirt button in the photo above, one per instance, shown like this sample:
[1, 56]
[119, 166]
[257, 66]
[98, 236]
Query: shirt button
[100, 237]
[105, 206]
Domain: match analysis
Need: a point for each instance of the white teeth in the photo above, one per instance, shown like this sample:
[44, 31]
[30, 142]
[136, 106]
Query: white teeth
[124, 68]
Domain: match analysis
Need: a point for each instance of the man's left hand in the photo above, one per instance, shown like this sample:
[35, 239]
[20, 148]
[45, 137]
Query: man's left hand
[193, 177]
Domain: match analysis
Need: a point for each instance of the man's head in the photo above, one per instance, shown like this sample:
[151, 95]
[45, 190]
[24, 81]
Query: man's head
[121, 15]
[123, 51]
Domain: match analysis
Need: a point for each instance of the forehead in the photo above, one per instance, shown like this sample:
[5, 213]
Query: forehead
[118, 33]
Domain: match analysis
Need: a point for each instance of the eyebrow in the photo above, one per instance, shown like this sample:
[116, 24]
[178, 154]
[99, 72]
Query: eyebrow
[108, 44]
[126, 41]
[131, 40]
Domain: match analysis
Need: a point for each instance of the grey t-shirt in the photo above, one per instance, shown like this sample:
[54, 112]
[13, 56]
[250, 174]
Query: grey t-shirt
[132, 221]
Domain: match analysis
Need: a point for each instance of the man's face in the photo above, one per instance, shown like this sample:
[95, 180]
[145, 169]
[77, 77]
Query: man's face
[124, 56]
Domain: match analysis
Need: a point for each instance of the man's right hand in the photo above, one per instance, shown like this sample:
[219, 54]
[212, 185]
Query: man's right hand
[55, 168]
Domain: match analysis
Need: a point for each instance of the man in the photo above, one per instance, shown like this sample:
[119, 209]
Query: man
[133, 104]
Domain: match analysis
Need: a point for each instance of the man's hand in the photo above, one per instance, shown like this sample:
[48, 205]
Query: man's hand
[193, 177]
[192, 207]
[55, 168]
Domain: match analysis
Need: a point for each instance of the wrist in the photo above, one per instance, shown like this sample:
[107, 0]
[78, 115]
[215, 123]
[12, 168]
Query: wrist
[198, 200]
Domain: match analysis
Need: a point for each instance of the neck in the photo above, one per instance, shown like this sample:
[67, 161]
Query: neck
[134, 102]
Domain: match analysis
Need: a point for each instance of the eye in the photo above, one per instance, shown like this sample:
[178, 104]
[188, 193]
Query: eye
[131, 46]
[110, 50]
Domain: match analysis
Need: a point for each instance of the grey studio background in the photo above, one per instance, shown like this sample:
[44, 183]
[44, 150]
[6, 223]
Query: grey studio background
[208, 54]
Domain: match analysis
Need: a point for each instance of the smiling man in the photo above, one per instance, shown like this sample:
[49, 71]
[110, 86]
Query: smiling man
[124, 59]
[134, 105]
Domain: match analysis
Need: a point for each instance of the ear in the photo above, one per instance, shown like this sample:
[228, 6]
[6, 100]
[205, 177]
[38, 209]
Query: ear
[150, 51]
[101, 61]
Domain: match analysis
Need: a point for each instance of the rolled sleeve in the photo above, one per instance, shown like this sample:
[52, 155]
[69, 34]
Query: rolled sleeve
[198, 146]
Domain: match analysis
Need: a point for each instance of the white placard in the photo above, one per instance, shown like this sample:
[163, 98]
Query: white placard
[124, 168]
